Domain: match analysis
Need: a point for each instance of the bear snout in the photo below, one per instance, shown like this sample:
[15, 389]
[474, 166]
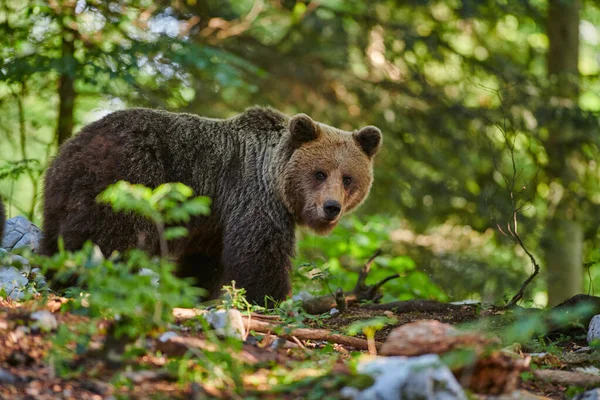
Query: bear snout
[332, 209]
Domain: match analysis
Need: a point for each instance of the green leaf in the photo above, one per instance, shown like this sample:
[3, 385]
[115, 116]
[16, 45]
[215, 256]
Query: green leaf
[176, 232]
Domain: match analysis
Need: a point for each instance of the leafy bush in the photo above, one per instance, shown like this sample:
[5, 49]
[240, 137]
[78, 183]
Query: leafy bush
[135, 291]
[342, 253]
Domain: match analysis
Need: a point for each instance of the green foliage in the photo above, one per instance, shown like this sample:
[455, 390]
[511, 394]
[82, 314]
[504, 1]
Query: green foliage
[442, 80]
[169, 203]
[136, 291]
[370, 325]
[14, 170]
[352, 242]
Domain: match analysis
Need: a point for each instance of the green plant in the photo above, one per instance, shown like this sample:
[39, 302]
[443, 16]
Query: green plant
[135, 291]
[369, 327]
[169, 203]
[351, 243]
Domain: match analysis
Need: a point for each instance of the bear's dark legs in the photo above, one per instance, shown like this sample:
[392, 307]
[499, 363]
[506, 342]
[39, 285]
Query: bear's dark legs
[204, 268]
[257, 256]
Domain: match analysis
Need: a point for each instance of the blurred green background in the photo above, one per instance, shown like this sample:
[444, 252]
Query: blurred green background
[489, 111]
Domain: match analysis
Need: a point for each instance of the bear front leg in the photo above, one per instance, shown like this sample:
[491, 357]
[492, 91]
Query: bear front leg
[258, 258]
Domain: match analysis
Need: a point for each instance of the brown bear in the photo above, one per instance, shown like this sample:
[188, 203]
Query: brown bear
[264, 171]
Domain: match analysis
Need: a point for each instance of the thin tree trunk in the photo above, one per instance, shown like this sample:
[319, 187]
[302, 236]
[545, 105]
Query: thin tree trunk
[564, 232]
[66, 87]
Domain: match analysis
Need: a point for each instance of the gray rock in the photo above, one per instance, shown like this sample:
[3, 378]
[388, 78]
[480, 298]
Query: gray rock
[12, 282]
[226, 323]
[43, 320]
[404, 378]
[7, 377]
[593, 394]
[165, 337]
[20, 232]
[594, 329]
[303, 295]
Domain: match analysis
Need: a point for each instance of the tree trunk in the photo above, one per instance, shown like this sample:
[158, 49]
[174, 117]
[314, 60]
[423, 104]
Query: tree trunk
[66, 87]
[564, 231]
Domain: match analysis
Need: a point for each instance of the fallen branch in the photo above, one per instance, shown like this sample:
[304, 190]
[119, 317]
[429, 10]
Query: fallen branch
[310, 334]
[273, 324]
[568, 378]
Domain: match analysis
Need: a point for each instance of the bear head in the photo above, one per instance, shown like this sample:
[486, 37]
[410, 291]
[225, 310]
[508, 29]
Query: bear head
[330, 171]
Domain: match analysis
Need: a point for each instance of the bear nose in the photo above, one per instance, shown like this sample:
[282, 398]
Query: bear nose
[332, 209]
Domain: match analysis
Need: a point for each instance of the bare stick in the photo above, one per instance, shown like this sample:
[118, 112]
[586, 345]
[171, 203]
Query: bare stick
[536, 269]
[379, 284]
[362, 276]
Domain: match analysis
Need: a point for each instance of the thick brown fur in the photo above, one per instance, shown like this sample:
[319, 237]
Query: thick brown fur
[259, 168]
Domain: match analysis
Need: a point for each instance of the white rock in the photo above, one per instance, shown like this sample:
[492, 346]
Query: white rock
[594, 329]
[226, 323]
[407, 378]
[12, 282]
[44, 320]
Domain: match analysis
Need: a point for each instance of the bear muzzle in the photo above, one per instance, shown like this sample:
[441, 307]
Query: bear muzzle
[331, 210]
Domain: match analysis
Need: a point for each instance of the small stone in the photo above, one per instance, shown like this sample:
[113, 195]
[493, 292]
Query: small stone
[594, 329]
[20, 232]
[251, 340]
[227, 323]
[278, 343]
[424, 377]
[44, 320]
[12, 282]
[165, 337]
[7, 377]
[431, 337]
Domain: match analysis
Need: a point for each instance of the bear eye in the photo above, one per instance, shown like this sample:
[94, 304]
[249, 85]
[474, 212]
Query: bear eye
[347, 181]
[320, 175]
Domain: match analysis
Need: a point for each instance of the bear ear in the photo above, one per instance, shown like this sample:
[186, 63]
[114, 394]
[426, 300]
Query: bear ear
[369, 140]
[303, 129]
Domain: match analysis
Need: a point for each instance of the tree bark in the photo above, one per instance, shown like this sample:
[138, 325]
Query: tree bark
[66, 87]
[563, 244]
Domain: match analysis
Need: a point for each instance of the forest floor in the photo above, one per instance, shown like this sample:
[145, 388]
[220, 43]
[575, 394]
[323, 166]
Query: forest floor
[295, 370]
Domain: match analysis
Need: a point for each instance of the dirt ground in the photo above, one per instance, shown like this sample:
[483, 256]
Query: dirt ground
[23, 360]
